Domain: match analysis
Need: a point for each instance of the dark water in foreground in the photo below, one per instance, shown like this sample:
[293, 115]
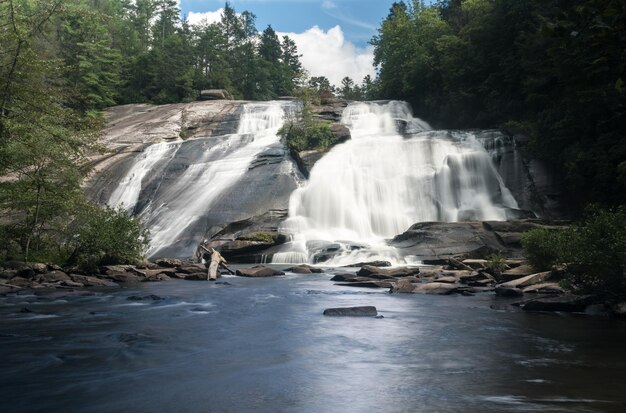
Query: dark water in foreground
[262, 345]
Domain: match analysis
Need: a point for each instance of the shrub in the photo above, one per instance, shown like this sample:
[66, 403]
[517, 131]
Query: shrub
[496, 264]
[105, 237]
[301, 136]
[542, 248]
[258, 236]
[593, 252]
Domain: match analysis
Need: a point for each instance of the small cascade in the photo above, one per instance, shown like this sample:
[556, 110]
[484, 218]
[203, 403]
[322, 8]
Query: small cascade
[394, 172]
[173, 208]
[127, 192]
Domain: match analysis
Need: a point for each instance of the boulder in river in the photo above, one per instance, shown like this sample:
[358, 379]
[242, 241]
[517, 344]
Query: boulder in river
[259, 271]
[436, 288]
[168, 262]
[508, 291]
[363, 311]
[304, 269]
[529, 280]
[565, 303]
[402, 286]
[371, 271]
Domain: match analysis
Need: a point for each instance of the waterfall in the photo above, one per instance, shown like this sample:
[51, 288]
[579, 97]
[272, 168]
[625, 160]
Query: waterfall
[172, 209]
[380, 182]
[127, 192]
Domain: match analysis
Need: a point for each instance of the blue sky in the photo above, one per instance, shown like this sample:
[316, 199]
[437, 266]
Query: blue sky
[358, 18]
[332, 35]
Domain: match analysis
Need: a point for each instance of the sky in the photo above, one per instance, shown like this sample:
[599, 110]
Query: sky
[332, 35]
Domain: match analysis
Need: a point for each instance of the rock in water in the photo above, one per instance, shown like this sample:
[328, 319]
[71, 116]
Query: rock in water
[435, 288]
[259, 271]
[305, 269]
[365, 311]
[566, 303]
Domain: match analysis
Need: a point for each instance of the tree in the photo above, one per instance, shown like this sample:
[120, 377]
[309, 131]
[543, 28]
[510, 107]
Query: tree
[42, 142]
[92, 65]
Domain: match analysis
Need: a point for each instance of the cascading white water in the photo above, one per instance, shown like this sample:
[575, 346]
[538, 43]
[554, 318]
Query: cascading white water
[183, 202]
[127, 192]
[379, 183]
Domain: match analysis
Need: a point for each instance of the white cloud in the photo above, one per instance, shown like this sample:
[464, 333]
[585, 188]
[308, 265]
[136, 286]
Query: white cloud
[328, 4]
[327, 53]
[209, 16]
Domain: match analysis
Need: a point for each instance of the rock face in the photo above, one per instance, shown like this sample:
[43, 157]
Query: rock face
[193, 136]
[476, 240]
[530, 181]
[365, 311]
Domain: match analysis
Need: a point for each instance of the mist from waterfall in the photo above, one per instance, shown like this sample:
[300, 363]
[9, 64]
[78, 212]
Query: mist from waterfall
[173, 208]
[380, 182]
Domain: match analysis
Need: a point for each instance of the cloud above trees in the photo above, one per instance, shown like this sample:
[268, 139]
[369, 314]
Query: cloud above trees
[328, 53]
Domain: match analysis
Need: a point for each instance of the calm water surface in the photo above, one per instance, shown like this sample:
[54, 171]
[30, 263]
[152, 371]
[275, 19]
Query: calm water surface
[262, 345]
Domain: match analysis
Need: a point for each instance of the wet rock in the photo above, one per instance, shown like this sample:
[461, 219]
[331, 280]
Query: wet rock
[482, 283]
[518, 272]
[371, 271]
[458, 265]
[363, 311]
[565, 303]
[52, 277]
[156, 278]
[8, 274]
[436, 288]
[222, 283]
[510, 238]
[371, 264]
[304, 269]
[72, 284]
[544, 288]
[89, 281]
[446, 279]
[344, 276]
[402, 286]
[168, 262]
[529, 280]
[196, 276]
[508, 291]
[122, 277]
[20, 282]
[436, 240]
[116, 268]
[8, 288]
[150, 297]
[259, 271]
[476, 264]
[367, 284]
[190, 268]
[473, 277]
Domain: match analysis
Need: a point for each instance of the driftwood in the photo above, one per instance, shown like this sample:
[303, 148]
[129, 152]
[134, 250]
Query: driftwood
[214, 260]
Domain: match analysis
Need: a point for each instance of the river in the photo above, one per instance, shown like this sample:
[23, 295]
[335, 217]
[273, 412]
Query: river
[263, 345]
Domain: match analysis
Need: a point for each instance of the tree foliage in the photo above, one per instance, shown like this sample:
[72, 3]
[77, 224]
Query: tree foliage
[552, 69]
[593, 251]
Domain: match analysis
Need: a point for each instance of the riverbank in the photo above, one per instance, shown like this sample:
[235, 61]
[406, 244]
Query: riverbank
[530, 291]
